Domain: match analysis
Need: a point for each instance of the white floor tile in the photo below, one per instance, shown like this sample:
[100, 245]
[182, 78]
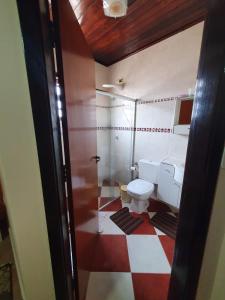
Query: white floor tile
[110, 286]
[146, 255]
[106, 225]
[151, 214]
[159, 232]
[110, 191]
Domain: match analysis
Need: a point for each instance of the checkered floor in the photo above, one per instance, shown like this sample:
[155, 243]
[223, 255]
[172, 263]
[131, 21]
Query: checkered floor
[128, 267]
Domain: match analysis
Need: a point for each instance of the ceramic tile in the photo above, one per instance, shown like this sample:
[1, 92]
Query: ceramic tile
[110, 254]
[159, 232]
[168, 245]
[105, 201]
[110, 286]
[145, 227]
[150, 286]
[110, 191]
[151, 214]
[106, 225]
[113, 206]
[146, 254]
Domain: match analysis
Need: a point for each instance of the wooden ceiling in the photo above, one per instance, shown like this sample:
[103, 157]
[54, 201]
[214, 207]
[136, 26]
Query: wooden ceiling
[147, 22]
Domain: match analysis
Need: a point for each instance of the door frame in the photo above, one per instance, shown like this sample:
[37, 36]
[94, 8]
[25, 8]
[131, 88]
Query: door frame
[38, 40]
[204, 155]
[205, 148]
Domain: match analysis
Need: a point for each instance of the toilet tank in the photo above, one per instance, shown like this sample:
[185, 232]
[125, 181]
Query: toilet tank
[149, 170]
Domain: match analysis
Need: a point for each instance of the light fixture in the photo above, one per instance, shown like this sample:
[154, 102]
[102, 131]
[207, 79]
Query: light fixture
[115, 8]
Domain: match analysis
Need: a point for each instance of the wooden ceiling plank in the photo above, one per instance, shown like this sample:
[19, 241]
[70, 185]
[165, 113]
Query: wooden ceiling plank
[144, 42]
[129, 33]
[147, 22]
[107, 24]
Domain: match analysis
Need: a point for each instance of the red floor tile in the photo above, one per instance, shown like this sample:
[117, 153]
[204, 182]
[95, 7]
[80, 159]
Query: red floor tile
[114, 206]
[150, 286]
[108, 182]
[110, 254]
[105, 200]
[168, 245]
[158, 206]
[145, 227]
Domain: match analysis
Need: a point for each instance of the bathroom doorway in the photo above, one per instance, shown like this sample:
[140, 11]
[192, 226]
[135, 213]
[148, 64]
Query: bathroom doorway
[182, 281]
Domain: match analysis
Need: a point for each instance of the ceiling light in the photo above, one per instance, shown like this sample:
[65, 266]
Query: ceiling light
[115, 8]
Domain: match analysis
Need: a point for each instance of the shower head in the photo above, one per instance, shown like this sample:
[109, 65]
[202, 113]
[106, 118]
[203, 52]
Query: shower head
[119, 84]
[108, 85]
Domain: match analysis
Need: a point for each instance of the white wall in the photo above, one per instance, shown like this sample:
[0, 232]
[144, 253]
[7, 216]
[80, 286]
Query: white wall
[166, 69]
[19, 167]
[211, 283]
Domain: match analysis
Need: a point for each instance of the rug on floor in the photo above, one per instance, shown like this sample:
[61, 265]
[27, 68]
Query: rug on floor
[165, 222]
[6, 282]
[125, 221]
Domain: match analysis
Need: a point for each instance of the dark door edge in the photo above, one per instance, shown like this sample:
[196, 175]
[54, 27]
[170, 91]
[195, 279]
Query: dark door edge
[205, 150]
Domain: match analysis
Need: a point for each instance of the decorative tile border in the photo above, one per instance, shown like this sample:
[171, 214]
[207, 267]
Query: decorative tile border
[103, 128]
[123, 128]
[155, 130]
[143, 129]
[157, 100]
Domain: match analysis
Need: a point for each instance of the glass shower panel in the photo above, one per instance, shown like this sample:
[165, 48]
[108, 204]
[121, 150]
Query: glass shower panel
[122, 138]
[115, 137]
[103, 137]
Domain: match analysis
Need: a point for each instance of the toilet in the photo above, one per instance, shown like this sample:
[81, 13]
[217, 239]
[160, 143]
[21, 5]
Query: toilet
[142, 188]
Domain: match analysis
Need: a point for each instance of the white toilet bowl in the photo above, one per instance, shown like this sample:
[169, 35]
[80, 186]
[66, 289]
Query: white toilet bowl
[140, 191]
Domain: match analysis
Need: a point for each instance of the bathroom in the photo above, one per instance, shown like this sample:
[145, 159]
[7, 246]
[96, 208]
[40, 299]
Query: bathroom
[149, 122]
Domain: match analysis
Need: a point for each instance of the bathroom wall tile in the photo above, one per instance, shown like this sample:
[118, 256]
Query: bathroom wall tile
[152, 146]
[156, 114]
[103, 150]
[121, 155]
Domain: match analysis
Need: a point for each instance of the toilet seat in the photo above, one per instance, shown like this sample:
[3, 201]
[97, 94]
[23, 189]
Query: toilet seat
[140, 187]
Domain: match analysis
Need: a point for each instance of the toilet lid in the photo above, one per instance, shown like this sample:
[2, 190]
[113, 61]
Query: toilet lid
[140, 187]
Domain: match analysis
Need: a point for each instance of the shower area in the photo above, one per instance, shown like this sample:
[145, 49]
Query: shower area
[116, 118]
